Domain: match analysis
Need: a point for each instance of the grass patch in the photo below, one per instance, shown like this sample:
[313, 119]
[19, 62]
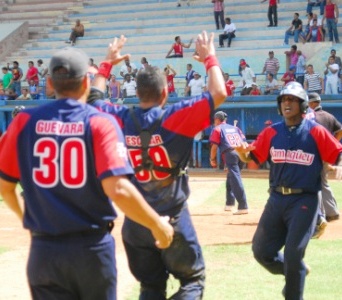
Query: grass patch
[232, 272]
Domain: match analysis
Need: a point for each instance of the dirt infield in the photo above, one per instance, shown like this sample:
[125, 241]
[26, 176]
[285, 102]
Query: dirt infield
[213, 225]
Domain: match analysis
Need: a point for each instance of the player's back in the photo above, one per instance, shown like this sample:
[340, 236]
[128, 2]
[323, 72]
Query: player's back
[61, 188]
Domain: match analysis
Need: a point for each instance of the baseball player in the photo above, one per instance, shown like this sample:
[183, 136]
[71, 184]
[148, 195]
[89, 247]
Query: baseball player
[295, 149]
[326, 197]
[70, 159]
[225, 137]
[159, 141]
[17, 110]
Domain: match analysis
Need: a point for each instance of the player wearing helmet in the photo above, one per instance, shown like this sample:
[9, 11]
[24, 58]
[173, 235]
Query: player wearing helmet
[17, 110]
[295, 149]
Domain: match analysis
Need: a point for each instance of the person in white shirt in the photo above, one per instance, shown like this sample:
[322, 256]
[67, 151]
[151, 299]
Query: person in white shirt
[331, 72]
[228, 33]
[42, 69]
[124, 68]
[25, 95]
[196, 85]
[271, 86]
[248, 77]
[129, 87]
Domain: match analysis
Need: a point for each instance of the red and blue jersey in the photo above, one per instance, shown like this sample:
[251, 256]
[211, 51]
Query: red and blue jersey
[226, 137]
[296, 153]
[170, 145]
[60, 152]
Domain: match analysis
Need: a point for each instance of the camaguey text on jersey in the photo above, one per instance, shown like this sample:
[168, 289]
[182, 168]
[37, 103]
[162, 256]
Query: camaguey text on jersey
[291, 156]
[134, 140]
[59, 128]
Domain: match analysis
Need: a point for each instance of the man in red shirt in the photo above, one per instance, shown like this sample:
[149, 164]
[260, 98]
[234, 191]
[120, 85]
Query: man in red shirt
[230, 87]
[170, 73]
[331, 15]
[177, 48]
[289, 75]
[32, 73]
[272, 10]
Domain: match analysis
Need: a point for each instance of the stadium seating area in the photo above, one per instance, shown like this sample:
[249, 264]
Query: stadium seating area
[151, 26]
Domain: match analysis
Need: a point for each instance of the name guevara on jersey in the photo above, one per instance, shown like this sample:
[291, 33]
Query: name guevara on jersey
[59, 128]
[291, 156]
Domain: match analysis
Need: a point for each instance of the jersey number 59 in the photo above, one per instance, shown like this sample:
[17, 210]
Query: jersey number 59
[65, 164]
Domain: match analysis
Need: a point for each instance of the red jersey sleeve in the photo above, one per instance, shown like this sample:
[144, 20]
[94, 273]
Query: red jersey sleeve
[215, 136]
[262, 145]
[110, 151]
[329, 148]
[9, 164]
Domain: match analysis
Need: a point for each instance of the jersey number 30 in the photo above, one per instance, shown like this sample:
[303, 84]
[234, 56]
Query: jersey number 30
[65, 164]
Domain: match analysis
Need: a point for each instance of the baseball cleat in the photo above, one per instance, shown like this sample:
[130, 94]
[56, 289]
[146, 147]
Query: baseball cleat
[241, 212]
[229, 207]
[332, 218]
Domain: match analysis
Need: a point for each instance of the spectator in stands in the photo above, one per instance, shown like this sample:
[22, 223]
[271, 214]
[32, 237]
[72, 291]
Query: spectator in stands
[188, 76]
[129, 87]
[271, 86]
[300, 67]
[177, 48]
[10, 94]
[144, 63]
[7, 79]
[313, 82]
[196, 86]
[170, 73]
[248, 77]
[272, 10]
[32, 73]
[240, 68]
[179, 3]
[312, 3]
[293, 56]
[339, 62]
[33, 89]
[218, 13]
[294, 29]
[124, 68]
[230, 87]
[113, 88]
[92, 64]
[17, 74]
[24, 95]
[3, 95]
[255, 90]
[76, 31]
[228, 33]
[331, 14]
[271, 65]
[319, 23]
[315, 33]
[289, 75]
[42, 69]
[303, 35]
[331, 72]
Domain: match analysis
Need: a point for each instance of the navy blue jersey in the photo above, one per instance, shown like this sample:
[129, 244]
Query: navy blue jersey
[60, 152]
[170, 146]
[226, 137]
[296, 153]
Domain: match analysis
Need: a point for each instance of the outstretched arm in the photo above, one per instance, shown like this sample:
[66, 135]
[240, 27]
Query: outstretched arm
[205, 53]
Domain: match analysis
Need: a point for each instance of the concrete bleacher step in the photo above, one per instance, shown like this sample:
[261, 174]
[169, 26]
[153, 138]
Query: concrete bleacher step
[42, 5]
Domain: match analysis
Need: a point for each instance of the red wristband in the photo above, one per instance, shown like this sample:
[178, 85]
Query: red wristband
[104, 69]
[210, 61]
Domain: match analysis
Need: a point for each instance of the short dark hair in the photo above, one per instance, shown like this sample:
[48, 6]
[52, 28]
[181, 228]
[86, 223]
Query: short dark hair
[177, 37]
[150, 84]
[228, 19]
[31, 62]
[294, 47]
[297, 14]
[271, 74]
[310, 66]
[39, 61]
[5, 69]
[189, 65]
[15, 62]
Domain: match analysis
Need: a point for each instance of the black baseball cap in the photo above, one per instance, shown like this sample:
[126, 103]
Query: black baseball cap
[73, 61]
[221, 115]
